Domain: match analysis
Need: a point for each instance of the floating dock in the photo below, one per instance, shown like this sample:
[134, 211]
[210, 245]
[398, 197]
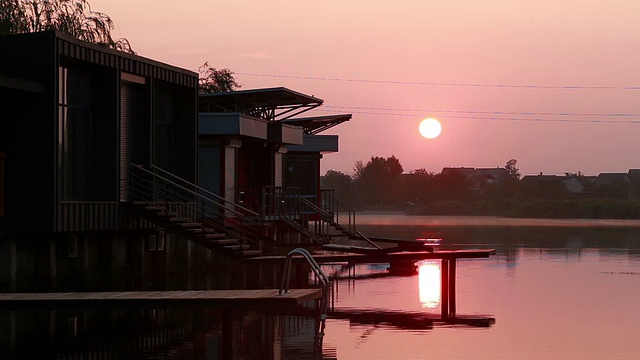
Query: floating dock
[200, 299]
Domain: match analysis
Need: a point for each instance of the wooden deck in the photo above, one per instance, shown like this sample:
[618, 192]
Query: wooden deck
[227, 299]
[384, 257]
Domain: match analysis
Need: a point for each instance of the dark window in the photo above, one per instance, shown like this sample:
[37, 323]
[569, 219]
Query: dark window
[87, 133]
[302, 172]
[74, 131]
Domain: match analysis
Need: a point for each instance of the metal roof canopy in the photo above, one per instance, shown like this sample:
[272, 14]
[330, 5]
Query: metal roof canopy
[272, 104]
[318, 124]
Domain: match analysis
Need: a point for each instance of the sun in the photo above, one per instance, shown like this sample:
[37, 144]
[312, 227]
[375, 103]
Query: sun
[430, 128]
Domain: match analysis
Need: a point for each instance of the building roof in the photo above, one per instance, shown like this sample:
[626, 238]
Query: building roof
[70, 47]
[318, 124]
[272, 104]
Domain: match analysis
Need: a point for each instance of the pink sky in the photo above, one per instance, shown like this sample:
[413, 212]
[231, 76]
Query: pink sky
[514, 42]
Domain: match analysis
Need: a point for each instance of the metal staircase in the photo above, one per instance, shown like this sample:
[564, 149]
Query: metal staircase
[194, 213]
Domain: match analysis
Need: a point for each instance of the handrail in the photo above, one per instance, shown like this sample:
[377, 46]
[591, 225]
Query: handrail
[335, 208]
[284, 285]
[203, 190]
[147, 185]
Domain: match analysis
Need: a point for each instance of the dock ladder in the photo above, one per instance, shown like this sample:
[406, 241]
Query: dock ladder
[321, 276]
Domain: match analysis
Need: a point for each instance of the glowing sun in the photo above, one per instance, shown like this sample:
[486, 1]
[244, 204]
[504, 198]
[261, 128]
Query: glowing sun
[430, 128]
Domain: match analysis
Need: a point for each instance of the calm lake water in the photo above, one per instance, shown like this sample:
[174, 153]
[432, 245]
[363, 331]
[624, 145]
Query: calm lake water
[557, 289]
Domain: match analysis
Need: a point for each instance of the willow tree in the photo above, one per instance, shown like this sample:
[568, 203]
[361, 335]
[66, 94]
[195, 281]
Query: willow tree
[72, 17]
[216, 80]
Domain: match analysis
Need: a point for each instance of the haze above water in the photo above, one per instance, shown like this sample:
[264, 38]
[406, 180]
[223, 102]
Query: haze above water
[564, 292]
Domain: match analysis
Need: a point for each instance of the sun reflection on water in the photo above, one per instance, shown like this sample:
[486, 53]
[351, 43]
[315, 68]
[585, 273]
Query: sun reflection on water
[429, 284]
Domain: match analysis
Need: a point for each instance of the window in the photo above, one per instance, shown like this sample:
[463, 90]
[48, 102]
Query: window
[74, 135]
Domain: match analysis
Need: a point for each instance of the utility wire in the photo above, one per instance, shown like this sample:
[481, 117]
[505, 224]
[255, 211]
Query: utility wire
[502, 118]
[397, 82]
[527, 113]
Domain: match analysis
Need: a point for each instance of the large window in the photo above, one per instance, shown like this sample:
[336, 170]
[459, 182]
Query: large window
[301, 171]
[74, 132]
[87, 134]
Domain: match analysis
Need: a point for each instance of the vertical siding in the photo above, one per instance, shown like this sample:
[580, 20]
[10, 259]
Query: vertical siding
[124, 146]
[87, 216]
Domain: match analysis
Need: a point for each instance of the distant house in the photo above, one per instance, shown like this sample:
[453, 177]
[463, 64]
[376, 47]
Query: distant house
[477, 177]
[608, 179]
[634, 183]
[490, 175]
[573, 185]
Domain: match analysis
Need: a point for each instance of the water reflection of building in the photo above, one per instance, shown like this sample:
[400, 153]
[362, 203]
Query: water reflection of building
[154, 333]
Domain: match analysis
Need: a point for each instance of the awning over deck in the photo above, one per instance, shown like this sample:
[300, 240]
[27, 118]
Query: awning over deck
[272, 104]
[317, 124]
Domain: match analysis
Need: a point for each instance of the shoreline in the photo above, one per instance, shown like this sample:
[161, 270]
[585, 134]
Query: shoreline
[394, 217]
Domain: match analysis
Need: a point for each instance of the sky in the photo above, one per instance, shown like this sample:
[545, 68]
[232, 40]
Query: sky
[553, 84]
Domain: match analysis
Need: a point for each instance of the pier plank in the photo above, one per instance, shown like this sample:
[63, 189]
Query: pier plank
[255, 299]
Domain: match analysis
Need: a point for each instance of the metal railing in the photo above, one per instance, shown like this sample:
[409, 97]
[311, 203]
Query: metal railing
[320, 275]
[287, 205]
[186, 200]
[340, 213]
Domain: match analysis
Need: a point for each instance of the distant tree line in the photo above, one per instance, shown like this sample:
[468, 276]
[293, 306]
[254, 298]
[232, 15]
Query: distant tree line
[380, 184]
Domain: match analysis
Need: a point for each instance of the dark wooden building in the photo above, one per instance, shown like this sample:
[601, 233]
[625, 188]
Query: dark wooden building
[74, 116]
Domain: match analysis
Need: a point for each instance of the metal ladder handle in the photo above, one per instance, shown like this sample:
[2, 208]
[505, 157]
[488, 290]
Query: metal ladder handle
[284, 285]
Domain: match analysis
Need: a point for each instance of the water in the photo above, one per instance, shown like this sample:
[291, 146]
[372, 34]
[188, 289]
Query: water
[556, 289]
[568, 292]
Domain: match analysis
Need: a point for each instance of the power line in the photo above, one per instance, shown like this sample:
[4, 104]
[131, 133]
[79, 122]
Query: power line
[525, 113]
[503, 119]
[399, 82]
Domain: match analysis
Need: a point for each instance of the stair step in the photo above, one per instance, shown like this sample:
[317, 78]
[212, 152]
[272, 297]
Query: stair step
[177, 219]
[200, 230]
[164, 212]
[236, 247]
[252, 253]
[187, 225]
[212, 236]
[222, 241]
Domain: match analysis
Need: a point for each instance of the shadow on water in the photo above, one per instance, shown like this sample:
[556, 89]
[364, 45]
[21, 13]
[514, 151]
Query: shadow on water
[156, 334]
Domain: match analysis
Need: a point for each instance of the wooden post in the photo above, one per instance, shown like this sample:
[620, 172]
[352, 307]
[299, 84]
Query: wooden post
[452, 288]
[199, 335]
[444, 289]
[227, 334]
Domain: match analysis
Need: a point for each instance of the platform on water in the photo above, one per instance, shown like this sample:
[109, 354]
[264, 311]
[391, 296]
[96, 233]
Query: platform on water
[385, 257]
[227, 299]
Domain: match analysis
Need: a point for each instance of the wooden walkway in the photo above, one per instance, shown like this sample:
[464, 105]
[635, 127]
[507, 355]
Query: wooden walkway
[227, 299]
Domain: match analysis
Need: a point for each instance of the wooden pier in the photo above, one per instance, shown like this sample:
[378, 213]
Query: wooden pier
[383, 257]
[448, 260]
[203, 299]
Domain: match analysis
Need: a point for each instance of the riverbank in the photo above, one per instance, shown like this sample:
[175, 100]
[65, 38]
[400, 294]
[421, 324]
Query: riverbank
[392, 217]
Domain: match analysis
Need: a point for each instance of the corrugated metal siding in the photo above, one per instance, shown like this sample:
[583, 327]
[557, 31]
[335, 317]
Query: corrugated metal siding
[124, 146]
[128, 63]
[277, 179]
[230, 174]
[87, 216]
